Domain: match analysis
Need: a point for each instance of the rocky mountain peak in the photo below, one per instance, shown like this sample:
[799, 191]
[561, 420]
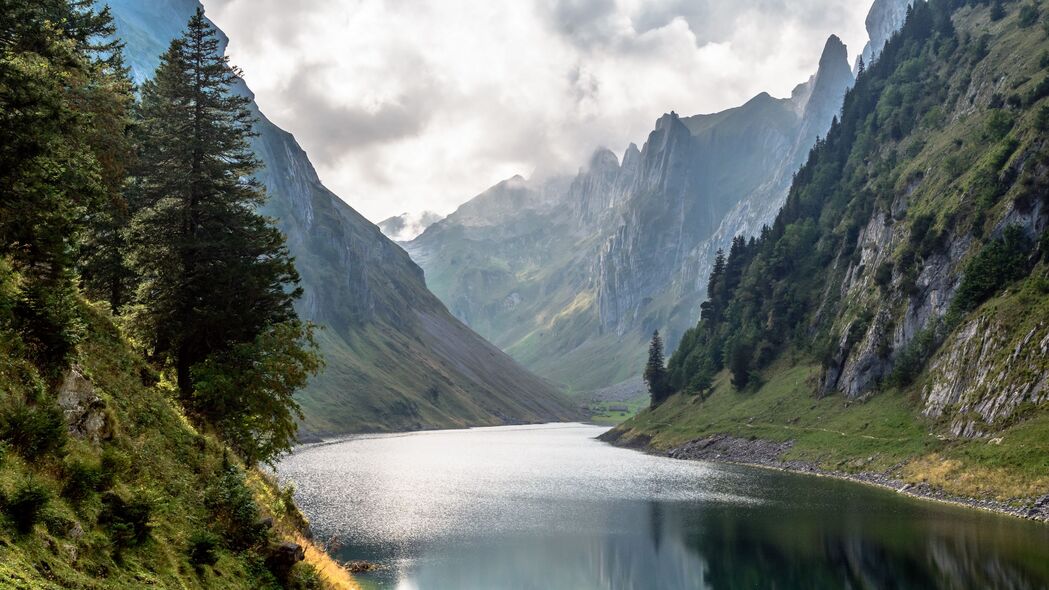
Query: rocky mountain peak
[834, 51]
[667, 120]
[604, 159]
[884, 19]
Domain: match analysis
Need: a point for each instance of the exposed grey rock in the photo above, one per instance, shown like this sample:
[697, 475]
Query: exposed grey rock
[84, 410]
[884, 19]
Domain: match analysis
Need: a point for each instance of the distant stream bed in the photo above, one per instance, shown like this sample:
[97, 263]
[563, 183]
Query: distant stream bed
[549, 507]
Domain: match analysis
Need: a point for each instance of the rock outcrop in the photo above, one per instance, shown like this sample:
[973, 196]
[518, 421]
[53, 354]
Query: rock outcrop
[884, 19]
[84, 411]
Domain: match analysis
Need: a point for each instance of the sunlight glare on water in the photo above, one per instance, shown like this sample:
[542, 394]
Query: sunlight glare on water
[550, 507]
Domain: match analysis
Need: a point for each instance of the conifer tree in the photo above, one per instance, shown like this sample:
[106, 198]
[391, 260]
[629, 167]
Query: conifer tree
[656, 372]
[104, 271]
[218, 282]
[56, 94]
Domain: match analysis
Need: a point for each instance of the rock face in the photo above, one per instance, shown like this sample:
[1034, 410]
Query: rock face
[884, 19]
[571, 276]
[84, 410]
[384, 337]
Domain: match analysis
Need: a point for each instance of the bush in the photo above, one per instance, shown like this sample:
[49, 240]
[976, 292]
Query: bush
[304, 577]
[1041, 120]
[999, 263]
[81, 480]
[234, 510]
[997, 12]
[1028, 15]
[27, 504]
[999, 124]
[912, 358]
[203, 547]
[1040, 91]
[32, 430]
[127, 520]
[115, 463]
[883, 274]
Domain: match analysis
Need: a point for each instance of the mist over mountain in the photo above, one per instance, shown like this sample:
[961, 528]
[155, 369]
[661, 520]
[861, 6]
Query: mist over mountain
[406, 226]
[572, 275]
[396, 359]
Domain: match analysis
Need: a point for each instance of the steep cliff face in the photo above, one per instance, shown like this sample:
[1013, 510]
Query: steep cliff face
[975, 174]
[907, 273]
[885, 18]
[396, 359]
[571, 276]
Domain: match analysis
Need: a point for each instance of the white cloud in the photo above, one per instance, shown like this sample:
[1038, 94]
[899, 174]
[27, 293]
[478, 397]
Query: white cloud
[413, 105]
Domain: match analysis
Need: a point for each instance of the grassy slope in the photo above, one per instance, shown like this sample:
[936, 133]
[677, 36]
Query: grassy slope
[168, 462]
[887, 429]
[873, 435]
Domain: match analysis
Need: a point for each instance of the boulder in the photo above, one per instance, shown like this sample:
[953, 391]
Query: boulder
[283, 557]
[84, 410]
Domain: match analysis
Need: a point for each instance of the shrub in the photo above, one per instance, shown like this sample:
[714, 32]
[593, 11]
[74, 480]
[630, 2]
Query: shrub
[883, 274]
[203, 547]
[234, 510]
[304, 577]
[1041, 121]
[115, 463]
[912, 358]
[1028, 15]
[81, 480]
[997, 12]
[27, 504]
[127, 520]
[32, 430]
[999, 263]
[1040, 91]
[999, 124]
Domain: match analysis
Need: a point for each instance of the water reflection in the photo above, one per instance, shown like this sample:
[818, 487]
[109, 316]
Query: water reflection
[552, 508]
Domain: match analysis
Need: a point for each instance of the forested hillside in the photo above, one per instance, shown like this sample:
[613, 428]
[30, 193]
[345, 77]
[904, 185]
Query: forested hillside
[149, 346]
[900, 297]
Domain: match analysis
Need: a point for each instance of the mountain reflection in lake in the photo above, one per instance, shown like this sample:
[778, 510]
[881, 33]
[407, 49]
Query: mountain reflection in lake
[549, 507]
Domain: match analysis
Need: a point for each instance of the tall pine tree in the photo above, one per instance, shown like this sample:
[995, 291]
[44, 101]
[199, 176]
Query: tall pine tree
[217, 280]
[57, 93]
[656, 372]
[104, 271]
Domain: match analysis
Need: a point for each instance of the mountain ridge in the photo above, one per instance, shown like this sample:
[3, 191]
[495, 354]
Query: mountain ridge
[365, 290]
[575, 290]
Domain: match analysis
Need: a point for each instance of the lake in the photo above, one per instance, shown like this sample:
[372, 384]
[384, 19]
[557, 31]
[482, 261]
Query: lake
[549, 507]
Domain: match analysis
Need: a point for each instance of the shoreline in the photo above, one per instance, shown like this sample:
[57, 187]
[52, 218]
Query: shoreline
[764, 454]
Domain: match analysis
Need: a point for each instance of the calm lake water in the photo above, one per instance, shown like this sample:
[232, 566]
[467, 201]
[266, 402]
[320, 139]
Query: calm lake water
[549, 507]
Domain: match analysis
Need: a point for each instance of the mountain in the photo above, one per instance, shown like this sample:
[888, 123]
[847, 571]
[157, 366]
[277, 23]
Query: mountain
[396, 359]
[406, 226]
[885, 18]
[892, 319]
[570, 276]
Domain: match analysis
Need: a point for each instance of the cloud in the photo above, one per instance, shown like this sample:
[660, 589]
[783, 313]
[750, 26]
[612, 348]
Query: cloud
[414, 105]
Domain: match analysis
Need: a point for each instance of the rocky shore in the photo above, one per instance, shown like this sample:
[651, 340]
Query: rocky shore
[723, 448]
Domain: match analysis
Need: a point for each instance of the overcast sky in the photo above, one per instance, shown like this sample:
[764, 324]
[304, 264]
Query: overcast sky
[412, 105]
